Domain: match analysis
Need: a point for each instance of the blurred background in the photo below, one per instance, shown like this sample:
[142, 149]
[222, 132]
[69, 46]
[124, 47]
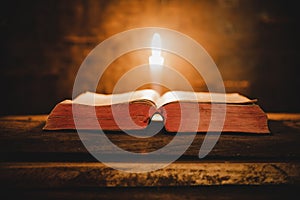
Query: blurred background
[254, 43]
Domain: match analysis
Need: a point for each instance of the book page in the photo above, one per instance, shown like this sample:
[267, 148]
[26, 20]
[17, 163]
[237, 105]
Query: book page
[95, 99]
[202, 97]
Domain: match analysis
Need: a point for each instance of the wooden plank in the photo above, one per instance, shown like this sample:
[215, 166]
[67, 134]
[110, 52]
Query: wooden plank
[22, 138]
[70, 175]
[283, 116]
[32, 158]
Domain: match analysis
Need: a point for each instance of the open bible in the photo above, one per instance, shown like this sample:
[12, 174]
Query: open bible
[134, 110]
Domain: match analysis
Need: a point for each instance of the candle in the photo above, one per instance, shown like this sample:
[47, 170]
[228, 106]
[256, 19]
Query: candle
[156, 62]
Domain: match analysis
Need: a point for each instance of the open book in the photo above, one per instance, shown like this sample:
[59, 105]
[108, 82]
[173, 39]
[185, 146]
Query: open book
[180, 110]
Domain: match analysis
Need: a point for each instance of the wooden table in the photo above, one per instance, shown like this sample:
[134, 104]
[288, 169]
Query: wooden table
[36, 163]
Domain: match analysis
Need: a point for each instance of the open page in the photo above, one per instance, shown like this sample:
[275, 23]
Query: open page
[202, 97]
[95, 99]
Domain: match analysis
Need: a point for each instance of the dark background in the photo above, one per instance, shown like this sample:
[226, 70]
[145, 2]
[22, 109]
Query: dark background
[254, 43]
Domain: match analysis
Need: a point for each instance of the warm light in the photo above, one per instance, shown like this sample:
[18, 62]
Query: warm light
[156, 58]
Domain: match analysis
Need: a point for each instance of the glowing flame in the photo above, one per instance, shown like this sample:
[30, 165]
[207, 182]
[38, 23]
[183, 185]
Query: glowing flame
[156, 58]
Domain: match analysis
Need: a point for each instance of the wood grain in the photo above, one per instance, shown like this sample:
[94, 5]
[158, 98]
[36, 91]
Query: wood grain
[32, 158]
[21, 137]
[70, 175]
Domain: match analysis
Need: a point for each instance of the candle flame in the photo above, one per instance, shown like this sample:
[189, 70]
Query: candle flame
[156, 58]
